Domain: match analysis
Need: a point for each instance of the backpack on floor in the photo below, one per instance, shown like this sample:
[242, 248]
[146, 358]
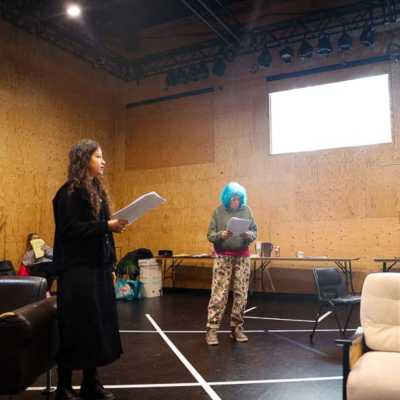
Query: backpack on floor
[129, 264]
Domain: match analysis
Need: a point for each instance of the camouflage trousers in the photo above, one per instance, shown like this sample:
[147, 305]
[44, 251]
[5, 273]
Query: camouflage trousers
[225, 268]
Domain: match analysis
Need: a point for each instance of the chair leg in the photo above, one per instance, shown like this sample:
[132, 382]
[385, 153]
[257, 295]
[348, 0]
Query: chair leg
[347, 320]
[338, 322]
[316, 322]
[49, 389]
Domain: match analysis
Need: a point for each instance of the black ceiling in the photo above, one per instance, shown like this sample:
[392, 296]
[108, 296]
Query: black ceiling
[116, 34]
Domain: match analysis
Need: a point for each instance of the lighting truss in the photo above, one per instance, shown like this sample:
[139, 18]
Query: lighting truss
[377, 14]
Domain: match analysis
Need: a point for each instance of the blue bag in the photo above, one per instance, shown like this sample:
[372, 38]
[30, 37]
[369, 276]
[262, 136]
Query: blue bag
[128, 290]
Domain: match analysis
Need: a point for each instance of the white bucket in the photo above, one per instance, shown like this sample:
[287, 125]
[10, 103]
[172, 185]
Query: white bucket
[151, 277]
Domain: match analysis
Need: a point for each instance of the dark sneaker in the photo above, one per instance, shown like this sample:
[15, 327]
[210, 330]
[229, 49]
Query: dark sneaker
[95, 392]
[66, 394]
[238, 335]
[212, 337]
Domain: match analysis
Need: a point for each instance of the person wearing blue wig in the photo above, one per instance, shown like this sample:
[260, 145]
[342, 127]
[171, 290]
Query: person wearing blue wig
[232, 262]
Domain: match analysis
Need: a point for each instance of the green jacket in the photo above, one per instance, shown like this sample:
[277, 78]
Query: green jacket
[218, 223]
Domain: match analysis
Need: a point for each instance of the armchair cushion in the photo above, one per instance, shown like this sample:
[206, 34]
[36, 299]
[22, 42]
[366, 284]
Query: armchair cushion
[16, 291]
[375, 377]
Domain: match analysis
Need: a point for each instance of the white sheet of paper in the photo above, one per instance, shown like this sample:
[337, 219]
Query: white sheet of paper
[138, 207]
[238, 225]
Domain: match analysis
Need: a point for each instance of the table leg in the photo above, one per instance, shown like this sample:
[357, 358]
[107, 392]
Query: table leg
[163, 269]
[173, 272]
[348, 274]
[269, 276]
[391, 266]
[168, 271]
[263, 267]
[351, 276]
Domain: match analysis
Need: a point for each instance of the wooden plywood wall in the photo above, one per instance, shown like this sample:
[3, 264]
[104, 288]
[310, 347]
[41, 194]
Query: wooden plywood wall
[48, 101]
[162, 130]
[340, 202]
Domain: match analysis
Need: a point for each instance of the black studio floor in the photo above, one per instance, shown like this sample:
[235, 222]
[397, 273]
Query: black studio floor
[277, 363]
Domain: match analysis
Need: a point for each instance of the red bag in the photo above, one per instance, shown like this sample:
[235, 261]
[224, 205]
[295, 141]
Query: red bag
[23, 271]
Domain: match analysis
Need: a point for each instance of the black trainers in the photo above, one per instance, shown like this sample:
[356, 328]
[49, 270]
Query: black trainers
[63, 393]
[95, 391]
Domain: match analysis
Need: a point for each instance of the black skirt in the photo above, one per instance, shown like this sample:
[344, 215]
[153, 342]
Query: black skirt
[87, 316]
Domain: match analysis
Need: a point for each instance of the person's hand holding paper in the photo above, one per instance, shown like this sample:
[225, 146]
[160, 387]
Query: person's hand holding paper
[117, 225]
[226, 234]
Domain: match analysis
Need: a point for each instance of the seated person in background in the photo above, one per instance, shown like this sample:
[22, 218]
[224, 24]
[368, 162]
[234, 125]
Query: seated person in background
[38, 258]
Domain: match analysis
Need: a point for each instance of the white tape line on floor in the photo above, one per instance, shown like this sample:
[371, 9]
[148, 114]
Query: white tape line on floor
[281, 319]
[220, 383]
[146, 331]
[208, 389]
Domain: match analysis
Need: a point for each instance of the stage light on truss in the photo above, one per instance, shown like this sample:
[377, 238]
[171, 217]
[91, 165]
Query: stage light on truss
[367, 36]
[324, 45]
[203, 71]
[183, 75]
[287, 54]
[193, 73]
[230, 54]
[345, 41]
[171, 78]
[265, 58]
[219, 67]
[305, 49]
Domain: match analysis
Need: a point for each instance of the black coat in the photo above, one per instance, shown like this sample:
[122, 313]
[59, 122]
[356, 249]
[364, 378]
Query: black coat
[84, 255]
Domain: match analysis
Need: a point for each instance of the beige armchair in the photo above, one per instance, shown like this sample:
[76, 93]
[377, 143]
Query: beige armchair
[371, 359]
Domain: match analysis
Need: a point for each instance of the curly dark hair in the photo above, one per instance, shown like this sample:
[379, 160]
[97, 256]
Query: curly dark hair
[79, 177]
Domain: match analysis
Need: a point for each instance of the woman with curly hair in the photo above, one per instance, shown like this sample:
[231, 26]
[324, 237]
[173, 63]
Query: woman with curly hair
[84, 256]
[232, 262]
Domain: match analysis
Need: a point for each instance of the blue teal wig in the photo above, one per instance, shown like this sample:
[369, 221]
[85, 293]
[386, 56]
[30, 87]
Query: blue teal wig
[233, 189]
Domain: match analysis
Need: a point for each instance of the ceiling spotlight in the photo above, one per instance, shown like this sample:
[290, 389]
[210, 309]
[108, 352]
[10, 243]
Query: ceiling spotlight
[305, 49]
[287, 54]
[345, 41]
[193, 73]
[324, 45]
[230, 54]
[182, 76]
[367, 36]
[203, 71]
[265, 58]
[172, 78]
[74, 10]
[219, 67]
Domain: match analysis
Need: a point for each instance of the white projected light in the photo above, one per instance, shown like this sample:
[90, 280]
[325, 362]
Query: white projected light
[73, 11]
[343, 114]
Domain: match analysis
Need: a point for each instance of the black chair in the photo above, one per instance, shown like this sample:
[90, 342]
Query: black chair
[6, 268]
[28, 333]
[332, 293]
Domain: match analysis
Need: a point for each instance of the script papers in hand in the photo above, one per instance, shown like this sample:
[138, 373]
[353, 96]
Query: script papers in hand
[37, 247]
[138, 207]
[238, 225]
